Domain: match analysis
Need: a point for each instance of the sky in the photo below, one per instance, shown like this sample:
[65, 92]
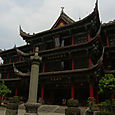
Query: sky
[39, 15]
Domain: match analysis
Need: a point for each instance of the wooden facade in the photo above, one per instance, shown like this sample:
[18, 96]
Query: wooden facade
[75, 56]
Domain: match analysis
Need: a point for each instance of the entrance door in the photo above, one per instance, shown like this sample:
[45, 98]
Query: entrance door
[57, 95]
[82, 93]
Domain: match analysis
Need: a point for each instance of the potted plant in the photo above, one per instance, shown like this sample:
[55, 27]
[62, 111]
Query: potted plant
[91, 105]
[72, 109]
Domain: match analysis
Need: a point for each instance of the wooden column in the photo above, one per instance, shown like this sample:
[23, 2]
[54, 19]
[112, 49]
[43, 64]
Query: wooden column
[8, 75]
[33, 50]
[42, 86]
[16, 92]
[4, 61]
[72, 91]
[107, 42]
[91, 90]
[97, 97]
[72, 59]
[42, 91]
[89, 38]
[43, 67]
[1, 75]
[72, 64]
[72, 87]
[112, 93]
[20, 58]
[72, 40]
[10, 60]
[90, 62]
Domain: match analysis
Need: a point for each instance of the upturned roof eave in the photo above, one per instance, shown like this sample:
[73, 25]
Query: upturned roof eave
[61, 48]
[26, 36]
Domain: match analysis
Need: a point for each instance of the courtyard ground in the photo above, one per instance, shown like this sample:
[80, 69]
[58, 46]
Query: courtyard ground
[43, 110]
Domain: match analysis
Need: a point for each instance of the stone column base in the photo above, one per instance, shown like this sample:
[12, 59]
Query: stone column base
[31, 108]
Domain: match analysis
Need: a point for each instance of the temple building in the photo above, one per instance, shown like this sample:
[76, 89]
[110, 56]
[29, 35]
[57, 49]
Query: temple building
[75, 55]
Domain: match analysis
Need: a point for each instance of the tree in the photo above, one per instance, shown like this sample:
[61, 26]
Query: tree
[3, 90]
[107, 84]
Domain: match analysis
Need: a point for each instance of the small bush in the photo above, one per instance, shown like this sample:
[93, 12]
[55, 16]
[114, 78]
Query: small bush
[72, 111]
[72, 103]
[104, 113]
[113, 102]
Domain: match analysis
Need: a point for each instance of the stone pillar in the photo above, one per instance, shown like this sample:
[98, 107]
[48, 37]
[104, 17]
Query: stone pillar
[32, 105]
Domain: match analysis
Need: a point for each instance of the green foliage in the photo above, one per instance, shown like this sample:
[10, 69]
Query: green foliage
[72, 103]
[105, 106]
[4, 89]
[91, 103]
[106, 83]
[105, 113]
[113, 102]
[72, 111]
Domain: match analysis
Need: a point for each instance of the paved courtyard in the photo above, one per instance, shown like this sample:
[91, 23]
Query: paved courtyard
[21, 112]
[43, 110]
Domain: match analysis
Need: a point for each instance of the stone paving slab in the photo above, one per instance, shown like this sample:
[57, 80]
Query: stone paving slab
[2, 112]
[60, 109]
[47, 108]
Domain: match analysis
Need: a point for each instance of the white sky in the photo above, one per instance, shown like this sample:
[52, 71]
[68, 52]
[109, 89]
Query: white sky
[39, 15]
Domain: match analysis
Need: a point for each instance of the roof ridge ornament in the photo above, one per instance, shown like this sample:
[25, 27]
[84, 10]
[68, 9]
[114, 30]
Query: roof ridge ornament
[96, 5]
[62, 9]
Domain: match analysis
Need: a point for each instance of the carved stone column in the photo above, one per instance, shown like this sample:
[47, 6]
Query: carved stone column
[32, 105]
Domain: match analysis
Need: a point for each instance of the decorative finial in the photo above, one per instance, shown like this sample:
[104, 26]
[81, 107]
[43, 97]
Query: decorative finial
[14, 46]
[62, 9]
